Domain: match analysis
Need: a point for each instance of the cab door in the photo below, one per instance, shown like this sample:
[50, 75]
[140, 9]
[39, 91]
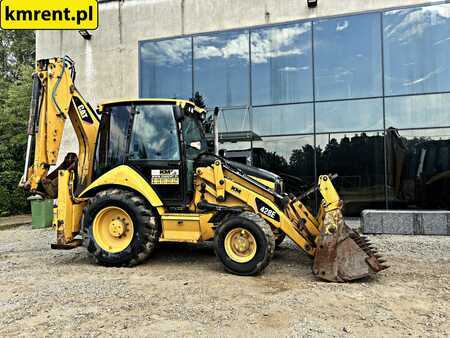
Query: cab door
[155, 151]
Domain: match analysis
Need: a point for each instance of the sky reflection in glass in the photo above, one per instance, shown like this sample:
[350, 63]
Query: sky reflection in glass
[417, 50]
[347, 56]
[166, 68]
[221, 63]
[281, 64]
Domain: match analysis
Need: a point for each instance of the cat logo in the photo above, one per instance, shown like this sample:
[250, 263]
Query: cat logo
[82, 110]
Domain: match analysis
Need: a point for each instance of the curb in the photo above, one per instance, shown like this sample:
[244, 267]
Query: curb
[12, 226]
[5, 225]
[406, 222]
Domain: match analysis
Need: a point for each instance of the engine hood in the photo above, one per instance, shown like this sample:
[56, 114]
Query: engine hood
[265, 177]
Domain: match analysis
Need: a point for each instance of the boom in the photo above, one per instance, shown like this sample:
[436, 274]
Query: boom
[54, 99]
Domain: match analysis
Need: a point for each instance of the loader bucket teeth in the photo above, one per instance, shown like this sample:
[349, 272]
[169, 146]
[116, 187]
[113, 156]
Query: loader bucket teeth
[344, 255]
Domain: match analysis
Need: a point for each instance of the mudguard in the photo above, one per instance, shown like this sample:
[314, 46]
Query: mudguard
[126, 177]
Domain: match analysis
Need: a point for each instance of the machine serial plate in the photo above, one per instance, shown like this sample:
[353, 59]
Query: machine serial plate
[165, 176]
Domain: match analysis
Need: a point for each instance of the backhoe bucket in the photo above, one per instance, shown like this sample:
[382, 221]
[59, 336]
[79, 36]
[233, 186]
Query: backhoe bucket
[343, 255]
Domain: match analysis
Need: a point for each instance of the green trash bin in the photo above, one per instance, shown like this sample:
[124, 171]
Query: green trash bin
[41, 212]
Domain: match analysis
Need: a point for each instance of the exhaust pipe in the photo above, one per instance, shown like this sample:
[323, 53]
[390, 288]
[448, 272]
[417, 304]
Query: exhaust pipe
[216, 130]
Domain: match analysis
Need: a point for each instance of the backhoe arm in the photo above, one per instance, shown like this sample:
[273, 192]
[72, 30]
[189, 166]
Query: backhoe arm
[54, 99]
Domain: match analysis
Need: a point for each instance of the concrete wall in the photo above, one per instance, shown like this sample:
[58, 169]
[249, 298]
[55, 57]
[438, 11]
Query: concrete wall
[107, 65]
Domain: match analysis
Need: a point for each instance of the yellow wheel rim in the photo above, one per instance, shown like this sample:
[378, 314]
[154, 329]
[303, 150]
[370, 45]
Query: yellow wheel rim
[113, 229]
[240, 245]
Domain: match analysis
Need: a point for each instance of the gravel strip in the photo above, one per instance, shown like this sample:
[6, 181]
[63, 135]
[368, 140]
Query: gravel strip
[183, 291]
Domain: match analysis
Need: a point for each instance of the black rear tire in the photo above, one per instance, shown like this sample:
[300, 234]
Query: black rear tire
[145, 228]
[264, 238]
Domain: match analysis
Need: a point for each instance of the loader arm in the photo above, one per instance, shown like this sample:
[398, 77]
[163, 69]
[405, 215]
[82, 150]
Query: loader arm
[54, 99]
[339, 253]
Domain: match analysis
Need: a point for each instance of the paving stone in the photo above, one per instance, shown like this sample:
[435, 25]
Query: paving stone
[406, 222]
[398, 223]
[371, 222]
[436, 224]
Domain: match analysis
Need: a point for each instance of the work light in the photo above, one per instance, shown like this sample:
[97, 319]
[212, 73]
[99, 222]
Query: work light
[85, 34]
[311, 3]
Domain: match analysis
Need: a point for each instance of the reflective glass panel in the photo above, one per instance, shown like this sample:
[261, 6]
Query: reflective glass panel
[237, 151]
[418, 111]
[418, 163]
[221, 73]
[349, 115]
[166, 68]
[417, 50]
[347, 57]
[358, 159]
[285, 119]
[291, 157]
[234, 120]
[281, 64]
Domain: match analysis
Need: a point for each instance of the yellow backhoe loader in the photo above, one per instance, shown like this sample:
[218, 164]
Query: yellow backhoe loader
[144, 175]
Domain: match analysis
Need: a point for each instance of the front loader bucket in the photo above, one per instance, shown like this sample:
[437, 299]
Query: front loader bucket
[343, 255]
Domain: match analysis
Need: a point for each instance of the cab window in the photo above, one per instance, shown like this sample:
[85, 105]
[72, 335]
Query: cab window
[154, 134]
[193, 137]
[111, 148]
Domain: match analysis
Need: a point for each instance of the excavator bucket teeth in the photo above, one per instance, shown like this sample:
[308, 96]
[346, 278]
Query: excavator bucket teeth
[343, 255]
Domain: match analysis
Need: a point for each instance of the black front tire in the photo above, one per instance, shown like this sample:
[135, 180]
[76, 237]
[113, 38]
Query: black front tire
[263, 235]
[146, 228]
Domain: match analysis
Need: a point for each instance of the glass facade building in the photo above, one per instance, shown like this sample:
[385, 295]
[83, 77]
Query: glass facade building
[366, 96]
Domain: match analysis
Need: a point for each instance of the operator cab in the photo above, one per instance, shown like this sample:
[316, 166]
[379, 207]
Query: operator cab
[158, 138]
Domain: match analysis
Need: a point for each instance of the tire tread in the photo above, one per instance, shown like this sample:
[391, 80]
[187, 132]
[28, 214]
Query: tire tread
[146, 218]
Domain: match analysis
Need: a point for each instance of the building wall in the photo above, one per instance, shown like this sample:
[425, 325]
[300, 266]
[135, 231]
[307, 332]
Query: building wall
[363, 74]
[107, 65]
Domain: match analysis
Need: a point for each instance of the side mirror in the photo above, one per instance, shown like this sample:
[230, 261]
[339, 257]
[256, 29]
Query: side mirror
[178, 113]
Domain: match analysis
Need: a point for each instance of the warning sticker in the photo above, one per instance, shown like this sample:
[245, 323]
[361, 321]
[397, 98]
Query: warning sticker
[165, 176]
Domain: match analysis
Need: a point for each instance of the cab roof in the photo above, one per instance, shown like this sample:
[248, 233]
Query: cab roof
[179, 102]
